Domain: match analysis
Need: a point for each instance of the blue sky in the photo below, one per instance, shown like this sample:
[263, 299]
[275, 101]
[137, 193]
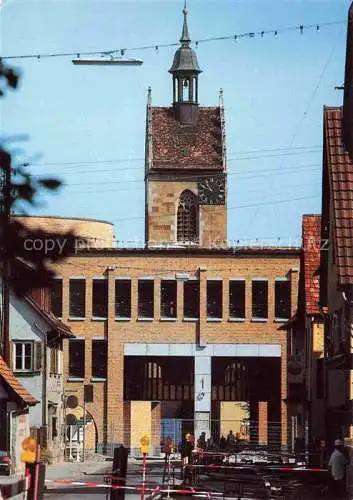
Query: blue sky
[86, 124]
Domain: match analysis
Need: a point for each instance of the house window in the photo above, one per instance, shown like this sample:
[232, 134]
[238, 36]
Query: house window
[259, 299]
[282, 299]
[57, 297]
[27, 356]
[191, 299]
[54, 427]
[77, 298]
[237, 299]
[23, 356]
[100, 298]
[214, 298]
[77, 358]
[145, 298]
[54, 360]
[123, 298]
[187, 217]
[99, 358]
[168, 298]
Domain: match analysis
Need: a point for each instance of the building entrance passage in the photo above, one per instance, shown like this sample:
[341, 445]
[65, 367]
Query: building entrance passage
[149, 378]
[243, 393]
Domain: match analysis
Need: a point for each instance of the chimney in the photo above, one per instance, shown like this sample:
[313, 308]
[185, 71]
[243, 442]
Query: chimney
[348, 88]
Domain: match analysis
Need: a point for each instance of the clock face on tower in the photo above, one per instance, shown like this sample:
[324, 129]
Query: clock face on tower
[212, 190]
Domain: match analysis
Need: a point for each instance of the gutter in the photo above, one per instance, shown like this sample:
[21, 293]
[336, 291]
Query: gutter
[44, 375]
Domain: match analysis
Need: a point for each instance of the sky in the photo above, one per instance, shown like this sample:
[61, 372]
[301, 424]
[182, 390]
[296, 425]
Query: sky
[86, 124]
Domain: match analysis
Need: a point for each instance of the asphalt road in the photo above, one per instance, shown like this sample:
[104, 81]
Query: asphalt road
[67, 492]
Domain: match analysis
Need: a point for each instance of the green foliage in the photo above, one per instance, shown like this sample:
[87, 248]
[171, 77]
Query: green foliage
[46, 456]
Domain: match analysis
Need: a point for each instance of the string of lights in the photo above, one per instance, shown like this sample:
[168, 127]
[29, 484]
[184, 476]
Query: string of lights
[122, 51]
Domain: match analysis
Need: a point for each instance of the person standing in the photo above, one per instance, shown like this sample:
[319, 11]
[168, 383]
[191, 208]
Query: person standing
[337, 469]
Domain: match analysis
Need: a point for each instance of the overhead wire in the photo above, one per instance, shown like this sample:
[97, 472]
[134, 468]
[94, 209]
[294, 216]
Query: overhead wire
[240, 174]
[303, 115]
[156, 46]
[230, 157]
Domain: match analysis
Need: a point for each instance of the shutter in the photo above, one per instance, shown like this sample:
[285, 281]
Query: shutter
[12, 358]
[37, 356]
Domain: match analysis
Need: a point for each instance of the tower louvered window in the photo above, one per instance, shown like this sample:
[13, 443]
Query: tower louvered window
[187, 217]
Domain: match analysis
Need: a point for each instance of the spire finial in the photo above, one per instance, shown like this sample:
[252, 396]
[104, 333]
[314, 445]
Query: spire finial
[185, 37]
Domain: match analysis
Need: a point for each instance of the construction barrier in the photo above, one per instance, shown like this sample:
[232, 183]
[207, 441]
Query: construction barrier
[16, 489]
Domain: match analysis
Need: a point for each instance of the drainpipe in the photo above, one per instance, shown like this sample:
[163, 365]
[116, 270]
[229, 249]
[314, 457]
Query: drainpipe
[44, 377]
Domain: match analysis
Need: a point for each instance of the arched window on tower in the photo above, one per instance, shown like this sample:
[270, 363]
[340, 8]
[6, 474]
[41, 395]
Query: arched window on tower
[187, 227]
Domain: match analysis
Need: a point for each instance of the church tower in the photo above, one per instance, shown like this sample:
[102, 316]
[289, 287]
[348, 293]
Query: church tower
[185, 163]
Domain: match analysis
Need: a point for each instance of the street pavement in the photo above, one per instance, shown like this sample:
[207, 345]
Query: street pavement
[93, 472]
[88, 472]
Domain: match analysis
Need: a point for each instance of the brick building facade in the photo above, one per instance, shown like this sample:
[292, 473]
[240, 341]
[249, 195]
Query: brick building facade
[185, 329]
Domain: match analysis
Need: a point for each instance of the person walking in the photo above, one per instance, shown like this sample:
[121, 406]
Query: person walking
[337, 469]
[230, 441]
[201, 442]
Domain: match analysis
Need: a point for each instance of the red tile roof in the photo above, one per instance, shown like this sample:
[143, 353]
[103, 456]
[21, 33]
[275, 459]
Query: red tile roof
[56, 324]
[311, 262]
[340, 178]
[179, 146]
[15, 385]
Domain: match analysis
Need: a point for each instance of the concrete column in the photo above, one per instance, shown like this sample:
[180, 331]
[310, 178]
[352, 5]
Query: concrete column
[294, 278]
[263, 422]
[203, 388]
[155, 427]
[284, 385]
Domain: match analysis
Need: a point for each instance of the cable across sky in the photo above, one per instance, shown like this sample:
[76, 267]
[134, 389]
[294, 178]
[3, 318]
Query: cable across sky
[121, 52]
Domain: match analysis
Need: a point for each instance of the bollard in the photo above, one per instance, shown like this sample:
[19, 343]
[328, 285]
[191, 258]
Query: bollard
[37, 481]
[120, 471]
